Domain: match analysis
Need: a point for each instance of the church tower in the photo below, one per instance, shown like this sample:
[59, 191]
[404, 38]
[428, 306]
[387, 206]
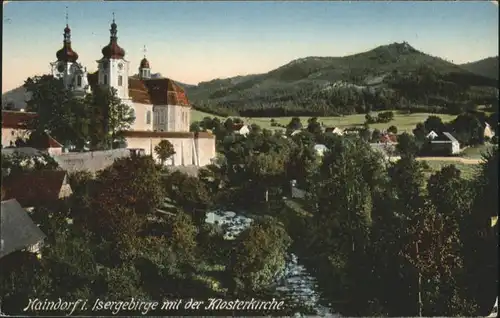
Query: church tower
[66, 67]
[144, 68]
[112, 67]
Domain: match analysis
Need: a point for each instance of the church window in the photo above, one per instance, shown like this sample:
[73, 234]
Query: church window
[148, 117]
[105, 79]
[120, 80]
[79, 81]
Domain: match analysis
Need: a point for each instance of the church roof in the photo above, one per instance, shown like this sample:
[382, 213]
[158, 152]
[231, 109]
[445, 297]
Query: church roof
[159, 91]
[113, 50]
[155, 91]
[144, 63]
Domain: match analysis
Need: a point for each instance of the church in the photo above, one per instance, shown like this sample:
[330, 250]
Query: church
[161, 107]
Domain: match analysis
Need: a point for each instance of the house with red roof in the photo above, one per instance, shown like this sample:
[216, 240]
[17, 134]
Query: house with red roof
[36, 188]
[16, 124]
[160, 105]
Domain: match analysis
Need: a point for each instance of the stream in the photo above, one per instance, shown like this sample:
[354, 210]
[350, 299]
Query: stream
[294, 282]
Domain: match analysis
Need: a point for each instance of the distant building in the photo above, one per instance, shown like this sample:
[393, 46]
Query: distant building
[334, 130]
[17, 230]
[488, 131]
[445, 144]
[241, 129]
[388, 138]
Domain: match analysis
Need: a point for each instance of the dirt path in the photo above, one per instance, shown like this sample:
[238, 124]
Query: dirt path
[467, 161]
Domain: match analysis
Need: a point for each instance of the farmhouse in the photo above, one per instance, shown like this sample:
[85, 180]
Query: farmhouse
[431, 135]
[445, 144]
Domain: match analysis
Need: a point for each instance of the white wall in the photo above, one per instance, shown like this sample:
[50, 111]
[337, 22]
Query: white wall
[10, 134]
[140, 122]
[189, 151]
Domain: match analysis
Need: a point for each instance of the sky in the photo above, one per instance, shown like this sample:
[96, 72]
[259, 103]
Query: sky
[199, 41]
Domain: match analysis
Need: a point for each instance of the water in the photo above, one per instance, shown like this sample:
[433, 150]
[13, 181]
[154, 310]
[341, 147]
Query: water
[294, 282]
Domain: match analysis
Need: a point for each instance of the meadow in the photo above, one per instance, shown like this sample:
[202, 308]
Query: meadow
[404, 122]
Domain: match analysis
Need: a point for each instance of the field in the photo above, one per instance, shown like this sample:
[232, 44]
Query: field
[404, 122]
[475, 152]
[467, 170]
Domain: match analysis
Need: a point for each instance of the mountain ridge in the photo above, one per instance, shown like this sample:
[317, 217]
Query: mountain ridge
[385, 70]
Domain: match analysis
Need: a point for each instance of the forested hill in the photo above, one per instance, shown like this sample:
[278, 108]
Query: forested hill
[486, 67]
[389, 76]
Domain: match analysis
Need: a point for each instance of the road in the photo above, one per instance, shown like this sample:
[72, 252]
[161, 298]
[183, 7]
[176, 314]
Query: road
[467, 161]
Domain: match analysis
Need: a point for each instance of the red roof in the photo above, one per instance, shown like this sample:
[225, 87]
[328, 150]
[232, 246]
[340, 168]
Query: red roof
[16, 119]
[155, 91]
[144, 63]
[34, 187]
[159, 91]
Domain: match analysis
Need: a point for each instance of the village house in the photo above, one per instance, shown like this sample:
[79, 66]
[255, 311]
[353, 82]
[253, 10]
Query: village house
[17, 230]
[15, 125]
[334, 130]
[37, 188]
[241, 129]
[445, 144]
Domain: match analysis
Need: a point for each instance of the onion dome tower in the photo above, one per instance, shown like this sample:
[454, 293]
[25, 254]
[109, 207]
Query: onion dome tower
[112, 67]
[66, 66]
[66, 54]
[144, 68]
[113, 50]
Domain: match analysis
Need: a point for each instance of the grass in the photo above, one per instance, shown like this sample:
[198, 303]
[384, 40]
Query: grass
[476, 152]
[404, 122]
[467, 170]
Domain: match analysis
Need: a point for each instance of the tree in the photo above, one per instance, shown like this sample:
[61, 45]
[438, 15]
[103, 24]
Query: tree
[110, 116]
[123, 195]
[407, 145]
[392, 129]
[294, 124]
[58, 111]
[258, 254]
[190, 194]
[164, 150]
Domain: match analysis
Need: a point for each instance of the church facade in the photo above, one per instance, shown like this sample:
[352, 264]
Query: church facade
[161, 107]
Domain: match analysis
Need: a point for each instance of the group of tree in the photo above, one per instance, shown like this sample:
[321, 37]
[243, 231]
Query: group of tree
[383, 117]
[95, 120]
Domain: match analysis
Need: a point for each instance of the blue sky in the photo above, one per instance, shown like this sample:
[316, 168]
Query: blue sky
[198, 41]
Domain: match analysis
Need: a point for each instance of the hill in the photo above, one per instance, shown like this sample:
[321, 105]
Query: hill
[387, 77]
[486, 67]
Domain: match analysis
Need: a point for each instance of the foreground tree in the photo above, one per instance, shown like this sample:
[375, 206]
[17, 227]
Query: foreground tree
[164, 150]
[110, 116]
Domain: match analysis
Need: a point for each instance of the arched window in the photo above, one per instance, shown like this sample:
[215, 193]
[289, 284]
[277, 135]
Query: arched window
[79, 81]
[120, 80]
[148, 117]
[105, 79]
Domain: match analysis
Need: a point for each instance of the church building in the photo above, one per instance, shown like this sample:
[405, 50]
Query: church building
[160, 105]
